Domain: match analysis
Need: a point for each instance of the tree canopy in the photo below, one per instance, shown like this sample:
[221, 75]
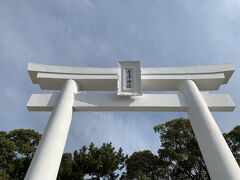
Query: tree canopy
[16, 151]
[178, 157]
[146, 165]
[179, 149]
[233, 140]
[106, 161]
[103, 162]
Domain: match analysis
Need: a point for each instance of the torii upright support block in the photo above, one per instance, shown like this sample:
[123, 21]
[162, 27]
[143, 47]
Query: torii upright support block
[47, 158]
[219, 159]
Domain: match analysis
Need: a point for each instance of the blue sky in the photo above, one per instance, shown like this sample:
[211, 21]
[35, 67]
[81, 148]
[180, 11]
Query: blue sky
[100, 33]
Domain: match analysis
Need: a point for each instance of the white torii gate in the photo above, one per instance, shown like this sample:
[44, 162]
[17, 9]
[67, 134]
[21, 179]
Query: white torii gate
[186, 84]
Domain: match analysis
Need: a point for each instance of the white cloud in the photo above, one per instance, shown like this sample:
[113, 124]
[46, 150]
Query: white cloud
[99, 33]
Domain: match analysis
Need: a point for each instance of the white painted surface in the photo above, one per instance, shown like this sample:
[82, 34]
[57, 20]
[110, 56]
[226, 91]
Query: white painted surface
[147, 102]
[46, 161]
[95, 82]
[219, 159]
[153, 79]
[128, 69]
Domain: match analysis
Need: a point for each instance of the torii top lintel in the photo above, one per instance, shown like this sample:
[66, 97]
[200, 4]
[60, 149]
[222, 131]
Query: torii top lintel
[52, 77]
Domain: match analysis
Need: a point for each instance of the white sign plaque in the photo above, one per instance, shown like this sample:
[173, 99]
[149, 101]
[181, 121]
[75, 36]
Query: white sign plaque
[129, 78]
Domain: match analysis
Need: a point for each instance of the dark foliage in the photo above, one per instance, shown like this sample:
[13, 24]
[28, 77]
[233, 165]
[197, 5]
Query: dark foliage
[233, 140]
[145, 165]
[179, 149]
[16, 151]
[178, 157]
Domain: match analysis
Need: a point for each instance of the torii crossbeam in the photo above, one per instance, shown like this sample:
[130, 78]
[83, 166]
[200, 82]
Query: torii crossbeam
[189, 88]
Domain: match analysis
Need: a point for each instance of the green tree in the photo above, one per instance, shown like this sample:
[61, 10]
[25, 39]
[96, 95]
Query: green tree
[26, 141]
[179, 156]
[145, 165]
[179, 149]
[100, 162]
[81, 164]
[233, 140]
[7, 156]
[65, 169]
[16, 151]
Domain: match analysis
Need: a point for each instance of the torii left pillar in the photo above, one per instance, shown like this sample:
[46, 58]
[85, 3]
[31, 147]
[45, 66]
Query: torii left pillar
[47, 159]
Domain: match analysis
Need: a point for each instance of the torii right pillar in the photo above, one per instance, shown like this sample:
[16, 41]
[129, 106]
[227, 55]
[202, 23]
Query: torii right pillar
[219, 159]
